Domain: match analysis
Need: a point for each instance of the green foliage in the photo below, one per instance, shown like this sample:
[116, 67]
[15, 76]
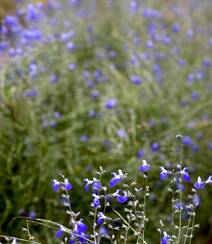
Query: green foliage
[31, 155]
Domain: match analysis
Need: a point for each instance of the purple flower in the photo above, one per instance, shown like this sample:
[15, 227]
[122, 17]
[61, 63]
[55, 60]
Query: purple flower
[209, 180]
[114, 181]
[103, 231]
[176, 27]
[117, 178]
[67, 185]
[121, 198]
[199, 184]
[144, 167]
[101, 218]
[155, 147]
[121, 133]
[57, 115]
[59, 233]
[164, 173]
[70, 46]
[187, 140]
[149, 44]
[96, 202]
[140, 153]
[196, 200]
[32, 214]
[111, 103]
[84, 138]
[136, 79]
[81, 227]
[165, 239]
[185, 175]
[55, 185]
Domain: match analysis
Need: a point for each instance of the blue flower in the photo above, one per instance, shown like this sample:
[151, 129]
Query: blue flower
[121, 133]
[140, 153]
[196, 200]
[155, 147]
[81, 227]
[199, 184]
[136, 79]
[67, 185]
[117, 178]
[187, 140]
[96, 202]
[165, 239]
[59, 233]
[209, 180]
[55, 185]
[114, 181]
[144, 167]
[111, 103]
[185, 175]
[164, 173]
[122, 199]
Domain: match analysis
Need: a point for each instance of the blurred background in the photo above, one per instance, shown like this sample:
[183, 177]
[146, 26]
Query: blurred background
[90, 83]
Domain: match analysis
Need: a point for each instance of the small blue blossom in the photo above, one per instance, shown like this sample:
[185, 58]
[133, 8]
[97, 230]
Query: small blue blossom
[67, 185]
[155, 147]
[165, 239]
[136, 79]
[185, 175]
[96, 202]
[144, 167]
[164, 173]
[55, 185]
[111, 103]
[121, 198]
[121, 133]
[187, 140]
[117, 178]
[209, 180]
[196, 200]
[59, 233]
[199, 184]
[140, 153]
[81, 227]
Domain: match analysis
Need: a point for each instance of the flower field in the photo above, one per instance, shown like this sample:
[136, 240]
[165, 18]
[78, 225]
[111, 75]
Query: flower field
[105, 122]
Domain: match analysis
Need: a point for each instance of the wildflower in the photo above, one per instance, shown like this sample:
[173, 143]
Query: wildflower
[199, 184]
[96, 202]
[81, 227]
[121, 198]
[121, 133]
[155, 147]
[84, 138]
[164, 173]
[67, 185]
[103, 231]
[185, 175]
[165, 239]
[59, 233]
[187, 140]
[140, 153]
[117, 178]
[101, 218]
[209, 180]
[176, 27]
[55, 185]
[136, 79]
[111, 103]
[144, 167]
[196, 200]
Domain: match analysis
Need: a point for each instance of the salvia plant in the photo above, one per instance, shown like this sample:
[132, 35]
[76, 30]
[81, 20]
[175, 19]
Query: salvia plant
[85, 83]
[118, 209]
